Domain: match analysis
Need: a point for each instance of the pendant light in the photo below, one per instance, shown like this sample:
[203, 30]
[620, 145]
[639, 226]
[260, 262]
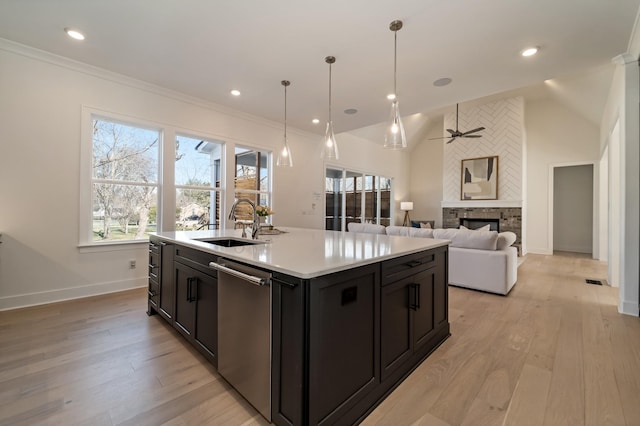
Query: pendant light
[394, 137]
[330, 145]
[284, 157]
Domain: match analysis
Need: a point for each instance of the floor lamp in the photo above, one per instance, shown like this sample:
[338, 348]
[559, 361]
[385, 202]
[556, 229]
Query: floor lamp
[407, 206]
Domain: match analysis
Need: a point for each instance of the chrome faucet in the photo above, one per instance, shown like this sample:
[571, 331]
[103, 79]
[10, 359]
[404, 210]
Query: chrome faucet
[256, 220]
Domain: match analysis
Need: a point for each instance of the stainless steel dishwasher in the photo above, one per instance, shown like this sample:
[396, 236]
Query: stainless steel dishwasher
[244, 331]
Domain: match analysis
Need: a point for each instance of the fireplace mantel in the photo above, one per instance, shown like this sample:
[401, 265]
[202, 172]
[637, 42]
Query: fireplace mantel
[482, 204]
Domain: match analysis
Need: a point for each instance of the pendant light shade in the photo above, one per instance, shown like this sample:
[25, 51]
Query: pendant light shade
[330, 145]
[394, 137]
[284, 156]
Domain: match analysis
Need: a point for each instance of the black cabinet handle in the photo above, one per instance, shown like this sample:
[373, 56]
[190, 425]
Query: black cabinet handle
[162, 243]
[413, 263]
[191, 294]
[414, 296]
[151, 294]
[152, 266]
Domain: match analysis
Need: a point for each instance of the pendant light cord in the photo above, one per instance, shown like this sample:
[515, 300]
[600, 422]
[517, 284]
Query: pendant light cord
[329, 91]
[395, 63]
[285, 113]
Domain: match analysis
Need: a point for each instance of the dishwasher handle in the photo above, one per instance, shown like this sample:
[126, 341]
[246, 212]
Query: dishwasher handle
[252, 279]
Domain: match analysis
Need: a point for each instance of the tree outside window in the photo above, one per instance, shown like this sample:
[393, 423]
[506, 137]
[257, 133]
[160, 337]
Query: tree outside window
[124, 180]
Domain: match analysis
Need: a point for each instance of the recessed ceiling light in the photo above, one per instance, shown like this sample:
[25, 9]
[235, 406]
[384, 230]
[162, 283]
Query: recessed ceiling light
[235, 92]
[530, 51]
[442, 82]
[350, 111]
[315, 121]
[74, 34]
[391, 96]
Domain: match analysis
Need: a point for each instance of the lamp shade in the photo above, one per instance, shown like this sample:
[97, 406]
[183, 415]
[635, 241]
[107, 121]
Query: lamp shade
[406, 205]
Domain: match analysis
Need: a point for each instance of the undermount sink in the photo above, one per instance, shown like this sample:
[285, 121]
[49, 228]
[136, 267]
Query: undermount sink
[230, 242]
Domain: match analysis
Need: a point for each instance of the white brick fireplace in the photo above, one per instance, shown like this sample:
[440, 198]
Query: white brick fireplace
[504, 136]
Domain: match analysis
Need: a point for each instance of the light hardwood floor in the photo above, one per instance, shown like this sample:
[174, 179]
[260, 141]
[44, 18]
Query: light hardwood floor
[553, 352]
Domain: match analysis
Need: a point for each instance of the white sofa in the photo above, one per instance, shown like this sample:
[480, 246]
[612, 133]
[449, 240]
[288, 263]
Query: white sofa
[480, 260]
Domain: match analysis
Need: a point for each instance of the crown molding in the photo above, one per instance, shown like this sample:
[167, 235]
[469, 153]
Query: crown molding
[624, 59]
[101, 73]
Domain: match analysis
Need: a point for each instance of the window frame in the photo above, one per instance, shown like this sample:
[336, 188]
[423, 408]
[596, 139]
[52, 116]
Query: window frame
[269, 191]
[87, 180]
[221, 190]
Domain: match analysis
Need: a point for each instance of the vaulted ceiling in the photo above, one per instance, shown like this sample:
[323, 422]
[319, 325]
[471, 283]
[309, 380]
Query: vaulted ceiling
[205, 48]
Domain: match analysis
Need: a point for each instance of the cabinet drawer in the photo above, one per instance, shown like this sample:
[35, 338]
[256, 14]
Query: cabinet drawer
[196, 259]
[154, 292]
[395, 269]
[154, 265]
[154, 246]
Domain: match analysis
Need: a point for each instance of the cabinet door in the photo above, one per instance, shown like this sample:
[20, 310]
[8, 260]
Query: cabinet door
[395, 326]
[343, 361]
[206, 327]
[185, 306]
[422, 286]
[167, 288]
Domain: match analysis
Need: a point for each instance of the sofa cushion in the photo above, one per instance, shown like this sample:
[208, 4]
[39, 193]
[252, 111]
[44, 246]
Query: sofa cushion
[421, 232]
[367, 228]
[402, 231]
[505, 239]
[464, 238]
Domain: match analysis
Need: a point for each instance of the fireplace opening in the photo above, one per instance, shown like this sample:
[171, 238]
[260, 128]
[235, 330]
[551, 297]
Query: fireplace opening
[494, 224]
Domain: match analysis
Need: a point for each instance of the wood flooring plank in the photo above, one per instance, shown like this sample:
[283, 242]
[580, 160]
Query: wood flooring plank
[528, 404]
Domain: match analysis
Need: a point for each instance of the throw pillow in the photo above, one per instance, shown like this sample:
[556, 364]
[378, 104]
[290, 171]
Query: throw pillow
[505, 239]
[481, 240]
[482, 228]
[425, 225]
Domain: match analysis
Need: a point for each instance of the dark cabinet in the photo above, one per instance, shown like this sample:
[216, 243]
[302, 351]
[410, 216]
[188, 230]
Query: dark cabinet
[196, 314]
[166, 304]
[343, 331]
[154, 277]
[413, 308]
[161, 280]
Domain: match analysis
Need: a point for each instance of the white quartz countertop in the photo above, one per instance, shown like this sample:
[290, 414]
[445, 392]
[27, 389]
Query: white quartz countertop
[306, 253]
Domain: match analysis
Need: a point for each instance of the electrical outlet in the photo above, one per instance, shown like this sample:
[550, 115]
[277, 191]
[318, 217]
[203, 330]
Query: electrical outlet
[132, 264]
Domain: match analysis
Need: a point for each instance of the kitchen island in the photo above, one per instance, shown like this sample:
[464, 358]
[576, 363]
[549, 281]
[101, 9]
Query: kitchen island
[348, 315]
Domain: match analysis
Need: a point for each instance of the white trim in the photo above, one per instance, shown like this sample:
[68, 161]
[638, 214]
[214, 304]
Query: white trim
[41, 298]
[544, 251]
[100, 247]
[629, 308]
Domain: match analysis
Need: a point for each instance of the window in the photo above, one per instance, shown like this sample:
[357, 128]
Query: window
[124, 180]
[197, 181]
[252, 179]
[356, 197]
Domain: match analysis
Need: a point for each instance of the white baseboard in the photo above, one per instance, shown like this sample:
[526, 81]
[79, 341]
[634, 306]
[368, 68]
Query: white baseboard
[629, 308]
[539, 251]
[59, 295]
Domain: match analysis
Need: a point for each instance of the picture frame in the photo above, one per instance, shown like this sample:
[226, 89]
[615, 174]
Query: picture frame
[479, 178]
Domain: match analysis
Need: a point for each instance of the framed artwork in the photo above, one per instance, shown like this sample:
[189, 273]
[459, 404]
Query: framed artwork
[479, 180]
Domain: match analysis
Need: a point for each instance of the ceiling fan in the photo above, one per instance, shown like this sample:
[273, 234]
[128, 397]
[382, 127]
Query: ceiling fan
[458, 134]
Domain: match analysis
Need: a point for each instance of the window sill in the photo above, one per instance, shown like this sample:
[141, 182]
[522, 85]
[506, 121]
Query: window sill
[112, 246]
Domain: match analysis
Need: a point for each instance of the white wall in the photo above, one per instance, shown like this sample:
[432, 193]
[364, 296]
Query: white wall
[573, 209]
[555, 136]
[622, 109]
[503, 136]
[41, 103]
[426, 176]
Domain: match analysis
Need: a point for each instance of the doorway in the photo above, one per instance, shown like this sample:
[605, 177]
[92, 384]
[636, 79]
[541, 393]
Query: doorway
[573, 208]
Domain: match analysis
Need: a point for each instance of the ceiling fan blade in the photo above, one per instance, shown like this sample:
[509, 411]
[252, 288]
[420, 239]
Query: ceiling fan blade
[471, 136]
[451, 140]
[473, 131]
[450, 131]
[433, 139]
